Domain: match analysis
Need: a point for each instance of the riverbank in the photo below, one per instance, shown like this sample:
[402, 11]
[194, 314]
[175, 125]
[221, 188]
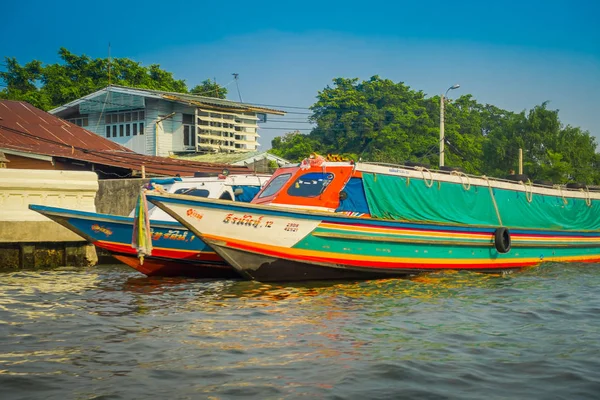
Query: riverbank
[30, 240]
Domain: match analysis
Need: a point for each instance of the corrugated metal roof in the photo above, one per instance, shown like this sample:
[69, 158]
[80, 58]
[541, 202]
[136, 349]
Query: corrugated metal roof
[232, 158]
[30, 130]
[174, 96]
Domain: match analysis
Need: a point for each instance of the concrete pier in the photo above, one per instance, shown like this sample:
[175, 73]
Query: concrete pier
[118, 196]
[27, 238]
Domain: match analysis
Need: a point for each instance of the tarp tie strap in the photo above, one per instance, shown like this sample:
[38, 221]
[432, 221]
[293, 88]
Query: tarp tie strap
[493, 199]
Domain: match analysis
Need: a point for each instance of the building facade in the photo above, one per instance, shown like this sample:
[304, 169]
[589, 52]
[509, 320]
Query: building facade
[33, 139]
[159, 123]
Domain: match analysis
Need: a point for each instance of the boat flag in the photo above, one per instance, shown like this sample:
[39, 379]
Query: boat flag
[142, 239]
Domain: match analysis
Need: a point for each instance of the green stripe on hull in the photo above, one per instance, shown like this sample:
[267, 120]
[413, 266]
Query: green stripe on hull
[453, 253]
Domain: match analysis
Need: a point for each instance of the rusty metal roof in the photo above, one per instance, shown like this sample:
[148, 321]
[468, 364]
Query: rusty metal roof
[30, 130]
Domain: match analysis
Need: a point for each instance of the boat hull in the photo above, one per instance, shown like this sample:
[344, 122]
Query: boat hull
[273, 243]
[257, 265]
[176, 251]
[156, 266]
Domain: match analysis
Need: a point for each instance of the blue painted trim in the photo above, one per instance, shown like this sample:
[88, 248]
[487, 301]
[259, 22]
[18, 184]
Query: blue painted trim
[67, 213]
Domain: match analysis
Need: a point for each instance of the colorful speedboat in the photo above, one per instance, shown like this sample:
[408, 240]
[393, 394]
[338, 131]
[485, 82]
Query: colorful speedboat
[176, 251]
[332, 220]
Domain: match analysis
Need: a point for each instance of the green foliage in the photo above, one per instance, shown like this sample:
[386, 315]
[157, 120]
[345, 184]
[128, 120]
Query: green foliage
[209, 88]
[294, 146]
[53, 85]
[382, 121]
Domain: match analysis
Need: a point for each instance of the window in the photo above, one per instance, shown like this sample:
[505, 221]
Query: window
[225, 196]
[274, 186]
[127, 123]
[193, 192]
[189, 138]
[81, 121]
[311, 184]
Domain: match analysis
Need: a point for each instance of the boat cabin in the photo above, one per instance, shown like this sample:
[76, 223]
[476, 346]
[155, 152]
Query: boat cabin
[313, 184]
[233, 187]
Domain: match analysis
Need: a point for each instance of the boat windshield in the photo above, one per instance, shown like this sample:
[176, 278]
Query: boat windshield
[276, 184]
[193, 192]
[310, 184]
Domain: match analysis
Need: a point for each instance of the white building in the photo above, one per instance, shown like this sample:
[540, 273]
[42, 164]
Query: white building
[155, 122]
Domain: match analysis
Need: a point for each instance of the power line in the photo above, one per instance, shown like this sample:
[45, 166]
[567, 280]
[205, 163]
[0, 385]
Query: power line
[293, 129]
[212, 90]
[292, 121]
[271, 105]
[356, 125]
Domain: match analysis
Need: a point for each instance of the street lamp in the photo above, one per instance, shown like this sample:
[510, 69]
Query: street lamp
[442, 123]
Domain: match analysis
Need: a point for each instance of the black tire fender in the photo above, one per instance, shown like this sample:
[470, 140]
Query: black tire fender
[502, 240]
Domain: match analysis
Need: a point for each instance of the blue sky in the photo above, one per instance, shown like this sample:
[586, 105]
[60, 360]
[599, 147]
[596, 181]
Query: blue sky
[513, 54]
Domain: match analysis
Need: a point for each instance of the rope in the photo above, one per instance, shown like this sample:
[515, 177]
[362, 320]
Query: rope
[565, 201]
[588, 196]
[460, 174]
[423, 169]
[529, 196]
[493, 199]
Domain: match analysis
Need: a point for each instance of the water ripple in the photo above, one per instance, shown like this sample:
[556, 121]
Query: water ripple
[108, 332]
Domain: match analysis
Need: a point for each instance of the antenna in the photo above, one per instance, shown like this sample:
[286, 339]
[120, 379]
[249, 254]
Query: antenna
[108, 63]
[236, 77]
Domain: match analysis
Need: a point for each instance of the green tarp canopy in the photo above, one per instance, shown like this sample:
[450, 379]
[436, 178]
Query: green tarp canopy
[410, 199]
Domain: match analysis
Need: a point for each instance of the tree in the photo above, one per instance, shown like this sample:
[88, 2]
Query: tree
[294, 146]
[382, 121]
[75, 76]
[375, 120]
[21, 83]
[209, 88]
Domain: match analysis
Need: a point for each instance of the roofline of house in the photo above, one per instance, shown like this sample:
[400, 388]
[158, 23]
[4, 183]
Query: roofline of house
[27, 154]
[268, 155]
[171, 96]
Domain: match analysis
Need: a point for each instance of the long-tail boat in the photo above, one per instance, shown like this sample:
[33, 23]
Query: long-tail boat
[174, 251]
[332, 220]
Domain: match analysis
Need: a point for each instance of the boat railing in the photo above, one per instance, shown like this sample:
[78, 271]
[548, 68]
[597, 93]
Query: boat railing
[450, 171]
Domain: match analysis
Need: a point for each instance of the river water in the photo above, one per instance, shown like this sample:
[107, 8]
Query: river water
[109, 332]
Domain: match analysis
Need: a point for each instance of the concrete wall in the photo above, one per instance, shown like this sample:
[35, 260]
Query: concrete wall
[68, 189]
[118, 196]
[27, 238]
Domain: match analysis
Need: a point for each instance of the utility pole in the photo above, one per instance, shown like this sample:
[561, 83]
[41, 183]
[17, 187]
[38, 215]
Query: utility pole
[442, 138]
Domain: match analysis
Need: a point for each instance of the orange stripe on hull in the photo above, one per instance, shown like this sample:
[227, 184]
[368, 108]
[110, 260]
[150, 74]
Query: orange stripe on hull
[362, 261]
[188, 255]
